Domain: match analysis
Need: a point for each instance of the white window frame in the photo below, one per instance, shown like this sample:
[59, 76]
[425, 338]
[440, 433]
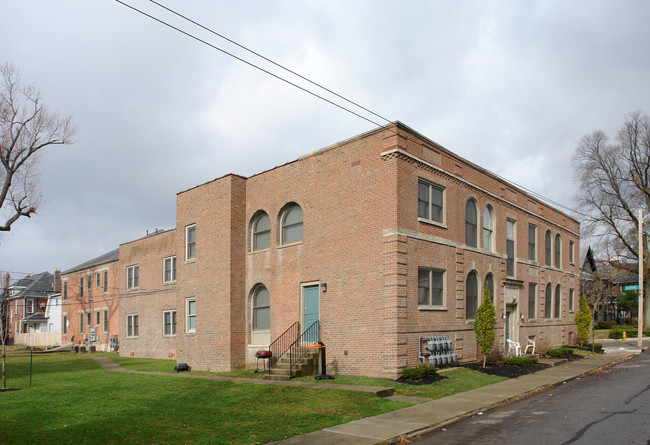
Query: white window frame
[255, 233]
[190, 317]
[133, 277]
[132, 326]
[284, 226]
[571, 252]
[105, 324]
[172, 323]
[488, 230]
[514, 247]
[172, 269]
[532, 290]
[572, 300]
[64, 293]
[188, 256]
[89, 284]
[97, 318]
[468, 225]
[429, 297]
[557, 302]
[98, 280]
[30, 306]
[557, 251]
[533, 244]
[443, 210]
[105, 286]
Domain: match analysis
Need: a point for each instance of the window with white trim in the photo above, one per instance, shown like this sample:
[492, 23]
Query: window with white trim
[571, 252]
[510, 248]
[190, 242]
[431, 285]
[169, 270]
[488, 229]
[65, 290]
[132, 328]
[571, 300]
[105, 320]
[261, 232]
[471, 224]
[169, 323]
[97, 318]
[98, 279]
[532, 297]
[547, 248]
[548, 301]
[261, 319]
[291, 225]
[489, 284]
[532, 242]
[190, 311]
[105, 289]
[558, 251]
[81, 287]
[431, 201]
[558, 302]
[471, 295]
[133, 277]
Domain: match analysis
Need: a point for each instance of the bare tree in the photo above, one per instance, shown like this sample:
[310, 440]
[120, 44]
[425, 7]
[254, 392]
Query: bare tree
[614, 182]
[26, 128]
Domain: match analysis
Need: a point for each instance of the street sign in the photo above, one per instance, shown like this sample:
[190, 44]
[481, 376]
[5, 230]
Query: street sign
[635, 287]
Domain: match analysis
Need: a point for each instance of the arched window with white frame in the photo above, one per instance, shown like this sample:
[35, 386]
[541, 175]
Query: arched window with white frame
[488, 229]
[291, 224]
[471, 225]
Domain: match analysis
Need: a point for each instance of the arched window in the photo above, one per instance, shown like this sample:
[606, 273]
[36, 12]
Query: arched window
[558, 251]
[471, 295]
[548, 301]
[489, 284]
[488, 229]
[291, 225]
[261, 232]
[558, 300]
[260, 316]
[547, 248]
[470, 223]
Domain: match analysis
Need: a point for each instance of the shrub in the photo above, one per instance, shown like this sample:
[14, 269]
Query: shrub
[617, 332]
[418, 372]
[486, 318]
[559, 352]
[519, 361]
[583, 320]
[606, 324]
[597, 347]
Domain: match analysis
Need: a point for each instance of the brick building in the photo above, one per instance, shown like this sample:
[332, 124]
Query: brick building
[382, 238]
[90, 299]
[27, 301]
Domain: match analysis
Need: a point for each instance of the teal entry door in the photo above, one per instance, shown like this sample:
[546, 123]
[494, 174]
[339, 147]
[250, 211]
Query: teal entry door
[311, 303]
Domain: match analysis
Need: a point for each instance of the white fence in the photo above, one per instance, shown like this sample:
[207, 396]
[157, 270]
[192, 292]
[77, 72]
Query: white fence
[38, 339]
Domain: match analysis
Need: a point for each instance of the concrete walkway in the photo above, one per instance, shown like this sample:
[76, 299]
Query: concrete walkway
[426, 414]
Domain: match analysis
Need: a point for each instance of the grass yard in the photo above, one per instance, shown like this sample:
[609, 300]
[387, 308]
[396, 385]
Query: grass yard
[73, 400]
[458, 380]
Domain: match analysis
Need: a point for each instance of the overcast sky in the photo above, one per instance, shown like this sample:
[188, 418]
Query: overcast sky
[509, 85]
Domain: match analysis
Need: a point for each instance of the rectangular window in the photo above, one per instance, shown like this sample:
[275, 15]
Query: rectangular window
[132, 329]
[65, 290]
[88, 319]
[81, 287]
[105, 281]
[558, 302]
[30, 306]
[88, 282]
[97, 318]
[571, 248]
[431, 287]
[169, 270]
[65, 324]
[571, 295]
[105, 320]
[431, 201]
[81, 322]
[532, 294]
[98, 279]
[190, 310]
[169, 323]
[532, 237]
[133, 277]
[510, 248]
[190, 242]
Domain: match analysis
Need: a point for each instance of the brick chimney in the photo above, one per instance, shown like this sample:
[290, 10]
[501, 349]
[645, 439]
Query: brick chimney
[57, 280]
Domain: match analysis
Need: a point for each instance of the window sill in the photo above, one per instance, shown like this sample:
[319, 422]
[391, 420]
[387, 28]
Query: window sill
[423, 307]
[295, 243]
[432, 222]
[166, 283]
[471, 321]
[253, 252]
[191, 260]
[169, 336]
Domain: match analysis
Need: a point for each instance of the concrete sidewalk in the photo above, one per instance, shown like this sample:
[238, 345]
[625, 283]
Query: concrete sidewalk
[422, 417]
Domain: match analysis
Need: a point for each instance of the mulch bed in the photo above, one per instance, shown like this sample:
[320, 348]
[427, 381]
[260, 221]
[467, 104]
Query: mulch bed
[507, 371]
[423, 381]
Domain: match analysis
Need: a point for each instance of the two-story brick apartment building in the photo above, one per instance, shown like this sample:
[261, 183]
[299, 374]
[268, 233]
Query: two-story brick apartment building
[90, 294]
[382, 238]
[27, 302]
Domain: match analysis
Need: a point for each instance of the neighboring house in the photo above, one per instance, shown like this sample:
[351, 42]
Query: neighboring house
[90, 298]
[148, 300]
[382, 239]
[54, 312]
[28, 298]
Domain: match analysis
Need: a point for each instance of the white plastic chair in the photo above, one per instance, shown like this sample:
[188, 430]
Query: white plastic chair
[514, 347]
[531, 344]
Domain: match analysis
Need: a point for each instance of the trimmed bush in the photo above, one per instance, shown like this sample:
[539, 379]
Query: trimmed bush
[606, 324]
[583, 320]
[559, 352]
[597, 347]
[418, 372]
[519, 361]
[617, 332]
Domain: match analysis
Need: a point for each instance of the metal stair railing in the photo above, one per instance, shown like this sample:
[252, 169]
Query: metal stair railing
[298, 349]
[283, 343]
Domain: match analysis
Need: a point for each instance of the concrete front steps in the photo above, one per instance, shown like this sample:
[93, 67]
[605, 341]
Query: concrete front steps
[306, 366]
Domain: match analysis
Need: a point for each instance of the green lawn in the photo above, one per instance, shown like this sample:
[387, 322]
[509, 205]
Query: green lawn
[73, 400]
[458, 380]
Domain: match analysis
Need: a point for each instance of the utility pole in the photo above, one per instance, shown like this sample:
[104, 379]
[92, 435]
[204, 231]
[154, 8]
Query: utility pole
[641, 270]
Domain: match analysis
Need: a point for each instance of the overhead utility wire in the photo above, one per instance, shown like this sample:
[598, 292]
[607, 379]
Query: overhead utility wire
[271, 61]
[162, 22]
[535, 194]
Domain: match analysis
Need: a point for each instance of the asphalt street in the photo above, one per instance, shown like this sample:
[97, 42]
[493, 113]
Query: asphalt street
[609, 407]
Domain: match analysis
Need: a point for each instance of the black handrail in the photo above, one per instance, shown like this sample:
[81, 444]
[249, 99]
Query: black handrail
[299, 348]
[283, 343]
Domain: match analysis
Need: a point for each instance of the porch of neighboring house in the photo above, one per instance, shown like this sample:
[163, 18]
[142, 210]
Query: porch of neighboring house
[34, 332]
